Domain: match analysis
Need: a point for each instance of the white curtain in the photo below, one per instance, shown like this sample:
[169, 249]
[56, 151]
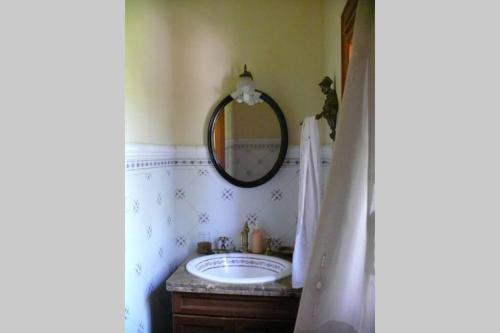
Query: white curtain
[339, 295]
[309, 199]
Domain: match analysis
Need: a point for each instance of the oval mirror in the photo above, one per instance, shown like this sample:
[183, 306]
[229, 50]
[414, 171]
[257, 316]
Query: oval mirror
[247, 143]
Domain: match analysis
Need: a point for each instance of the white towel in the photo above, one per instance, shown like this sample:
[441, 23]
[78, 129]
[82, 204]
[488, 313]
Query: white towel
[309, 200]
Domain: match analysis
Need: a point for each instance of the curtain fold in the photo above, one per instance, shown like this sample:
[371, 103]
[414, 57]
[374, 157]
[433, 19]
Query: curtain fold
[338, 295]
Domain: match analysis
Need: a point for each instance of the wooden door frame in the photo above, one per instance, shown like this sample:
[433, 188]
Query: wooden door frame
[347, 29]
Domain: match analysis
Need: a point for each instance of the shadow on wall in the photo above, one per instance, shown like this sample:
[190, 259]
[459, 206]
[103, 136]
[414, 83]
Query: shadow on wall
[160, 305]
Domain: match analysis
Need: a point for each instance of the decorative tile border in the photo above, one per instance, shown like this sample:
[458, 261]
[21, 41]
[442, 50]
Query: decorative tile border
[140, 157]
[160, 164]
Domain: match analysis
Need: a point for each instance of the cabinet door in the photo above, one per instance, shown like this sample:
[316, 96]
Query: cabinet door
[264, 307]
[200, 324]
[263, 326]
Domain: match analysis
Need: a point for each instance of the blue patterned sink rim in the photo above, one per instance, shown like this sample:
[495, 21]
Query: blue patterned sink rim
[239, 268]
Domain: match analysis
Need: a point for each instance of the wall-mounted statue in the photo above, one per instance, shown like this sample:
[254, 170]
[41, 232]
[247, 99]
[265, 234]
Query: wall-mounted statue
[331, 106]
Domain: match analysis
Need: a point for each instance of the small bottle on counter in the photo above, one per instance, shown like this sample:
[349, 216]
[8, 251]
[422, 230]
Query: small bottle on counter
[244, 238]
[258, 236]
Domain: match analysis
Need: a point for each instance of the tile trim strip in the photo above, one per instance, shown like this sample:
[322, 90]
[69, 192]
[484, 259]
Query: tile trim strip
[148, 156]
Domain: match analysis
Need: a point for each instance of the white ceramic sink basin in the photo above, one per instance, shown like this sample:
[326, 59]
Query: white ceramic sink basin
[242, 268]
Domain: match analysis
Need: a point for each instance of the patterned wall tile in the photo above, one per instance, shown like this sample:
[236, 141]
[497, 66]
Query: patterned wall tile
[136, 207]
[227, 194]
[252, 219]
[180, 241]
[204, 218]
[276, 195]
[202, 172]
[180, 193]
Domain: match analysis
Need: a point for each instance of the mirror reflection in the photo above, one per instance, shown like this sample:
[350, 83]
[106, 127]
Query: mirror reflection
[246, 140]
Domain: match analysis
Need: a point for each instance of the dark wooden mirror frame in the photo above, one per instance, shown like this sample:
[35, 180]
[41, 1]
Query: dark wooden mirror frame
[283, 147]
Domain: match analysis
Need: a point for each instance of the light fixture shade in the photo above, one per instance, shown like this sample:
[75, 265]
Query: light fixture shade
[245, 90]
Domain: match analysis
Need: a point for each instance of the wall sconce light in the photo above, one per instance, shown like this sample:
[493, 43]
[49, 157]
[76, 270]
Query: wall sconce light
[245, 89]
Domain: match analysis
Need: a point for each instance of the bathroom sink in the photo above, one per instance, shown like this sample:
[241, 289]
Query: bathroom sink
[240, 268]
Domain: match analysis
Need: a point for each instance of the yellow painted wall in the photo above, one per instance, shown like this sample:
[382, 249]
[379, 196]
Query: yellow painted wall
[182, 56]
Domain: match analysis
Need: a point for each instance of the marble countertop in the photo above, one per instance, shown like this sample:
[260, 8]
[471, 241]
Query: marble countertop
[182, 281]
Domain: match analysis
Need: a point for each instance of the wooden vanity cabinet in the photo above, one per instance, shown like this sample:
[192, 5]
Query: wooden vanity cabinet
[217, 313]
[263, 326]
[202, 324]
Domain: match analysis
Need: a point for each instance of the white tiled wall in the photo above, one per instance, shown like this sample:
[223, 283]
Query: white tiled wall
[150, 252]
[174, 194]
